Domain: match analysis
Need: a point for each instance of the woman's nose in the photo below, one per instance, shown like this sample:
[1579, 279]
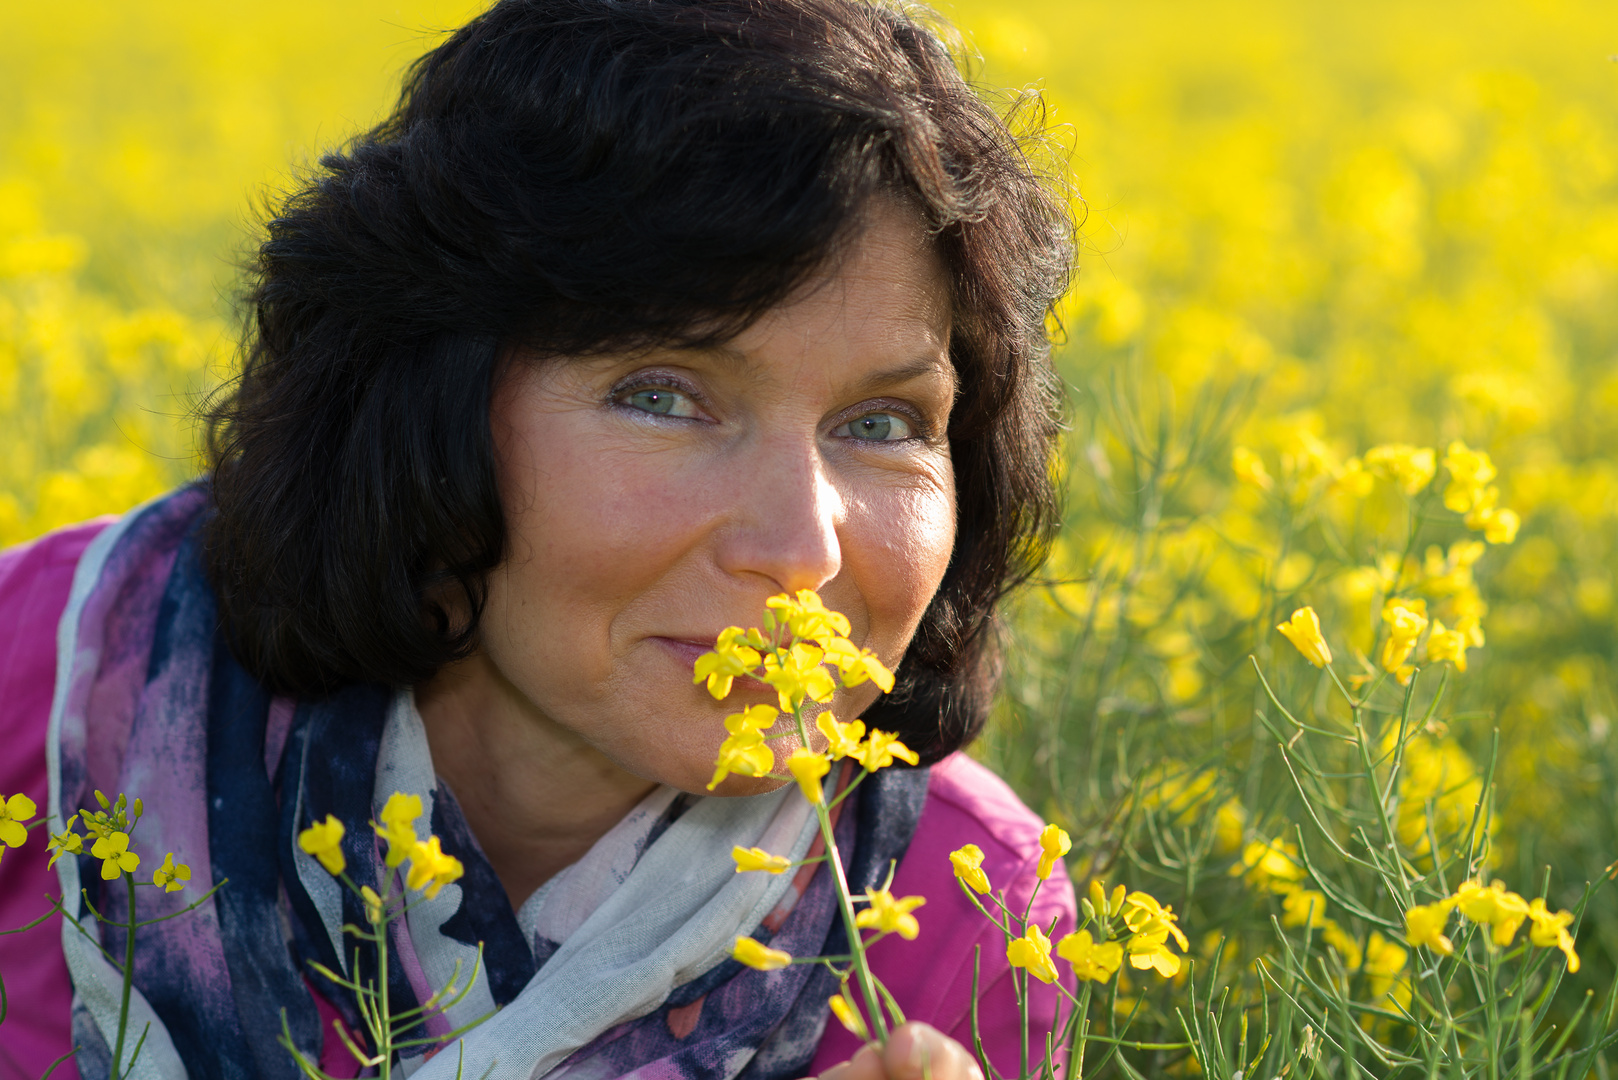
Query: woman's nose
[783, 523]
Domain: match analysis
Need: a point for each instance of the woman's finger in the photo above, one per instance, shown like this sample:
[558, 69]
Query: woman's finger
[920, 1051]
[866, 1064]
[916, 1051]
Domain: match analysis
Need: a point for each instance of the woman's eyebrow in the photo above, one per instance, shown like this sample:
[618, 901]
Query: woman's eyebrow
[921, 367]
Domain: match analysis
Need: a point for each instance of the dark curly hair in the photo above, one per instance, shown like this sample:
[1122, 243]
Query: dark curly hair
[568, 177]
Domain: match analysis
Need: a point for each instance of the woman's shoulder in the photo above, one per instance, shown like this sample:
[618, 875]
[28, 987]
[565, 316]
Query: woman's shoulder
[967, 803]
[35, 581]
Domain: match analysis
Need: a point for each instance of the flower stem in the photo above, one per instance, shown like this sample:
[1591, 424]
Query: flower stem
[384, 1012]
[1076, 1040]
[129, 979]
[856, 947]
[1020, 987]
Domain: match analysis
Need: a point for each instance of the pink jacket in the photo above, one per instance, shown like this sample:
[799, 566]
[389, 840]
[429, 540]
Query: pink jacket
[931, 978]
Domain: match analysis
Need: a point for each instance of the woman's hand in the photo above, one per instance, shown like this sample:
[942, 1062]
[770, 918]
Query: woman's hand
[915, 1052]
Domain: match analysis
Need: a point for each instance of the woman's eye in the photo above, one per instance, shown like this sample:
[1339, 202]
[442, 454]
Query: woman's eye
[877, 427]
[661, 401]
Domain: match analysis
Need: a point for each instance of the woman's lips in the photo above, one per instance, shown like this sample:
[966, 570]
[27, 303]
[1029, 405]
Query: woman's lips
[686, 651]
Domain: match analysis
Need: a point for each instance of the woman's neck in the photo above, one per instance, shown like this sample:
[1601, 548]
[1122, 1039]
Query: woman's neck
[535, 795]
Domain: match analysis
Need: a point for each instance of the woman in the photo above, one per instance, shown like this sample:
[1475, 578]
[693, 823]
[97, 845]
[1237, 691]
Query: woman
[630, 316]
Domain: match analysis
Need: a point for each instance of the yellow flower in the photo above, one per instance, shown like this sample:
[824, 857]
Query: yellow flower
[324, 840]
[756, 858]
[1384, 957]
[1303, 907]
[759, 718]
[1032, 951]
[1499, 526]
[1273, 865]
[755, 954]
[847, 1015]
[398, 826]
[1054, 842]
[1445, 644]
[1470, 472]
[13, 812]
[373, 904]
[113, 851]
[731, 657]
[1384, 960]
[1142, 912]
[1152, 951]
[1424, 925]
[1406, 620]
[66, 842]
[1411, 467]
[97, 823]
[1548, 929]
[1346, 947]
[1230, 821]
[431, 869]
[1353, 479]
[842, 740]
[856, 665]
[169, 877]
[745, 754]
[1303, 630]
[808, 768]
[1152, 923]
[806, 617]
[890, 915]
[879, 750]
[1249, 468]
[968, 863]
[797, 675]
[1494, 907]
[1092, 961]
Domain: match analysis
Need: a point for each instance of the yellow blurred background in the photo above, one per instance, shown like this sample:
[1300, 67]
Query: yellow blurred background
[1401, 215]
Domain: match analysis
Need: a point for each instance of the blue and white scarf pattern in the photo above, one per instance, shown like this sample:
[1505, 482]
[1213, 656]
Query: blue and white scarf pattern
[618, 967]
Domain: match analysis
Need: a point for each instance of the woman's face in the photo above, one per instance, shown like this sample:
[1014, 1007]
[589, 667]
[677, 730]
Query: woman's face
[654, 499]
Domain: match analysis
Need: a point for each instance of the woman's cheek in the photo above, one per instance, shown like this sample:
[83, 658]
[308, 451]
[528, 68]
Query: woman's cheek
[911, 535]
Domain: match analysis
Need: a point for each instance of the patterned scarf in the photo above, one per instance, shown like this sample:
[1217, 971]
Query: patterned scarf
[618, 966]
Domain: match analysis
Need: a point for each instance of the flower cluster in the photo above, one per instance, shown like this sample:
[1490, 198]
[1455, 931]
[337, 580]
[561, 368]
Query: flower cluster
[1308, 465]
[1444, 577]
[430, 868]
[1140, 924]
[108, 830]
[1493, 906]
[802, 652]
[1405, 621]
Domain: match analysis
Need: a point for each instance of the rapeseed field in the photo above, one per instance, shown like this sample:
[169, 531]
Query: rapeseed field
[1344, 339]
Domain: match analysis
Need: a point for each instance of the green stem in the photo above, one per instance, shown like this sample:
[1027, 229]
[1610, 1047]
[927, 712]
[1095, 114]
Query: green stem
[1020, 986]
[129, 979]
[1081, 1032]
[1492, 1010]
[856, 947]
[384, 1012]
